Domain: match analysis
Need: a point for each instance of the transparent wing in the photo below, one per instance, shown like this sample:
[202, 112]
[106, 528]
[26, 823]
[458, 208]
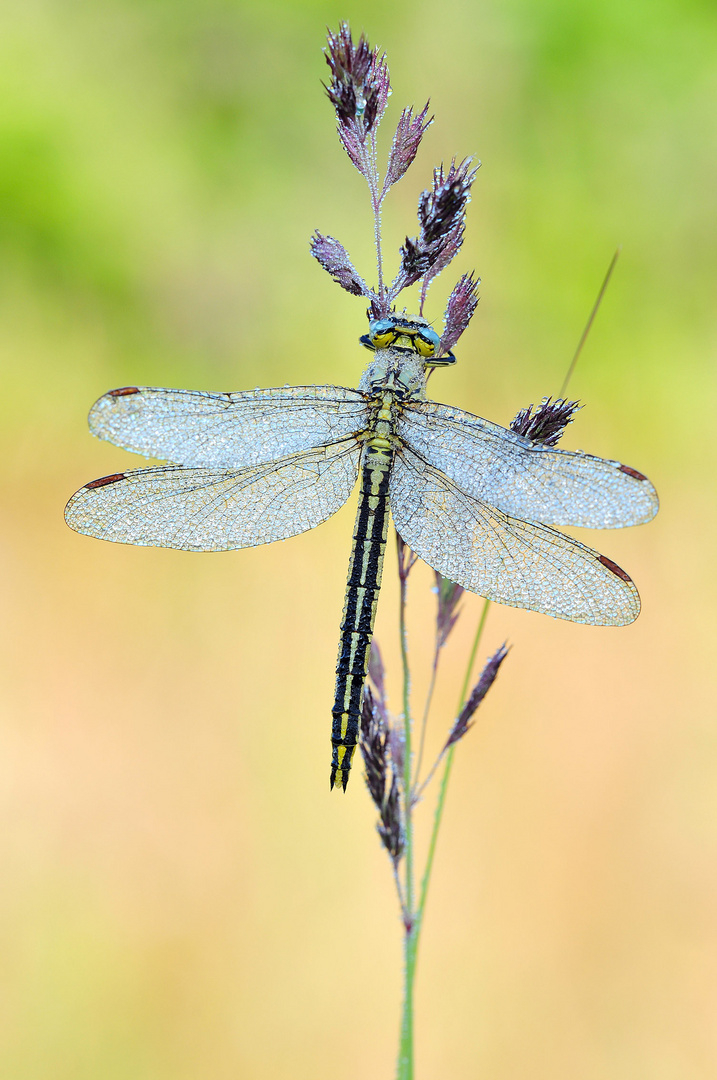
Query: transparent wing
[226, 431]
[514, 562]
[522, 478]
[216, 509]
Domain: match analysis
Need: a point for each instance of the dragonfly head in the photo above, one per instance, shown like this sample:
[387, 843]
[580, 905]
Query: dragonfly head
[411, 334]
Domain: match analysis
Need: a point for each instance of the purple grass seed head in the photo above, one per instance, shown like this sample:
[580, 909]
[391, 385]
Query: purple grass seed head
[548, 423]
[464, 721]
[459, 311]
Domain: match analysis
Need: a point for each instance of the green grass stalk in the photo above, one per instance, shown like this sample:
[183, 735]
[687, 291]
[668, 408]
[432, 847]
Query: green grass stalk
[413, 919]
[405, 1054]
[440, 804]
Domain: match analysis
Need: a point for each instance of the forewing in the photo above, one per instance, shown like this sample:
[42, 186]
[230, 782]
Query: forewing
[525, 479]
[200, 509]
[513, 562]
[227, 431]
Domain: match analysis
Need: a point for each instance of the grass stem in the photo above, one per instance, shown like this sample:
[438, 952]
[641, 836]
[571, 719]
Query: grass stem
[414, 918]
[446, 776]
[426, 710]
[591, 319]
[405, 1055]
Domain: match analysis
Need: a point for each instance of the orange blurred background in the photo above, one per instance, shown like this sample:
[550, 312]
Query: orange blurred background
[182, 898]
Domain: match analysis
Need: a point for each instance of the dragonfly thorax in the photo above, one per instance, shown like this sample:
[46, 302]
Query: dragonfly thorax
[400, 371]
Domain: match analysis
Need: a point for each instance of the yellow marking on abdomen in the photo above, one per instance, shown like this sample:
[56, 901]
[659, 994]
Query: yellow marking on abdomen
[364, 580]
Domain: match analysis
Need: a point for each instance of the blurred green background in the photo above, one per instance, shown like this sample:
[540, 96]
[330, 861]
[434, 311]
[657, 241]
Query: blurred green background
[182, 898]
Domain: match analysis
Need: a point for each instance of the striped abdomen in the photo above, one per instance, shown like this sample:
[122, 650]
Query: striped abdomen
[364, 582]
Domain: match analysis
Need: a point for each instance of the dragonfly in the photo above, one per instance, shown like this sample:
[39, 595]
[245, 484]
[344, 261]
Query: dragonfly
[478, 502]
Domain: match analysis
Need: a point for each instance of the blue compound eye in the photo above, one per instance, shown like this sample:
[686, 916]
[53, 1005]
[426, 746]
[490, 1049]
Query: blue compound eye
[429, 334]
[380, 326]
[426, 341]
[381, 332]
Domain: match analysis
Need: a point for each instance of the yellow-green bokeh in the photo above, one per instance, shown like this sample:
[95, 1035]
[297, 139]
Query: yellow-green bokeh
[181, 897]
